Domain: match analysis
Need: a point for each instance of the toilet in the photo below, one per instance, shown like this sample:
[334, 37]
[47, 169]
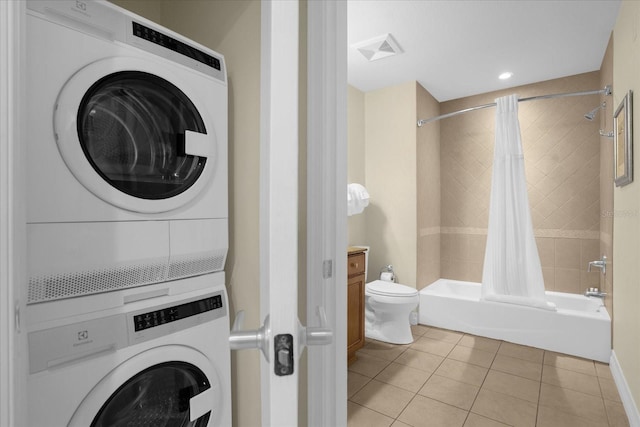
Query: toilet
[387, 309]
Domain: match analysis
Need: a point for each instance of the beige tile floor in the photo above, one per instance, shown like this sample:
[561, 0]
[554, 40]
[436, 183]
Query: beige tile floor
[451, 379]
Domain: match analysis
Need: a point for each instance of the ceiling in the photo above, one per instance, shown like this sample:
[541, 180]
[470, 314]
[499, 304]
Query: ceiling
[458, 48]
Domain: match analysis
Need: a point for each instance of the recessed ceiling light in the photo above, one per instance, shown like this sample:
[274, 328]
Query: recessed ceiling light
[379, 47]
[505, 75]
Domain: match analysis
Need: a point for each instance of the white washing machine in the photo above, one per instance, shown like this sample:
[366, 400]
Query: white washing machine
[155, 362]
[126, 152]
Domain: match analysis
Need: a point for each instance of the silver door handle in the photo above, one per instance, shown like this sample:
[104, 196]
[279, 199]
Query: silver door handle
[317, 336]
[252, 338]
[259, 338]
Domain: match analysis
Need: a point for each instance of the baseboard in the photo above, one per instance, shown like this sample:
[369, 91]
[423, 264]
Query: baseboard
[629, 404]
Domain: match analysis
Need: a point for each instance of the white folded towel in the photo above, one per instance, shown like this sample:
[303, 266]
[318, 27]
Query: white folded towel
[357, 199]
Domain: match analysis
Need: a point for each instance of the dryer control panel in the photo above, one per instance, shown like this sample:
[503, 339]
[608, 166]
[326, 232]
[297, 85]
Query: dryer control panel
[155, 36]
[175, 313]
[108, 21]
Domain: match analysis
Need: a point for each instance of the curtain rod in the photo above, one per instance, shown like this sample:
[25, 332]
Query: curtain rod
[606, 91]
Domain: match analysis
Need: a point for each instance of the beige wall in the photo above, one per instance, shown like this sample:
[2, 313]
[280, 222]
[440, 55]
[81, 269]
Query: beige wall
[626, 226]
[400, 166]
[428, 189]
[606, 178]
[562, 161]
[149, 9]
[356, 224]
[390, 174]
[239, 41]
[233, 29]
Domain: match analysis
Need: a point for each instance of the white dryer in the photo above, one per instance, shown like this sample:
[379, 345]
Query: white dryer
[149, 363]
[126, 152]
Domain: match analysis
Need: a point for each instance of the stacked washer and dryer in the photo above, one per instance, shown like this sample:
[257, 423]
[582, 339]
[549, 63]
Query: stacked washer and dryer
[127, 312]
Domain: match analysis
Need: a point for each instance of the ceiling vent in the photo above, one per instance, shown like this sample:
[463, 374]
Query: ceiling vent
[378, 47]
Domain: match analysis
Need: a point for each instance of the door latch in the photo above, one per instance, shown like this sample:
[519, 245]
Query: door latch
[283, 354]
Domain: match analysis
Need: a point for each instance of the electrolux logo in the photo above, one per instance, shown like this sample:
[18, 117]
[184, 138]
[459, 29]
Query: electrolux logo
[82, 338]
[80, 7]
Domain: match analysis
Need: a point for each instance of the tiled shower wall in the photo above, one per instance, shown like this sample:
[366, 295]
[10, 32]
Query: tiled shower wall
[562, 162]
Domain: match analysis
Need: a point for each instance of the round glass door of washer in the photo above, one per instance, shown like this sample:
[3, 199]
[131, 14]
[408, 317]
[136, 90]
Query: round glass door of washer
[156, 397]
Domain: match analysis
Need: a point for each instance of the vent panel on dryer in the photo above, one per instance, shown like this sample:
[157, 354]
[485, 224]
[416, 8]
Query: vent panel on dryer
[185, 266]
[73, 284]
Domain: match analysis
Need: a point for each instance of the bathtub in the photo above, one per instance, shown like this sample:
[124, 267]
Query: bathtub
[580, 327]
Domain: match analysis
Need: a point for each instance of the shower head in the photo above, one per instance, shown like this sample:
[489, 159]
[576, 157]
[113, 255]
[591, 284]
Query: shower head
[592, 114]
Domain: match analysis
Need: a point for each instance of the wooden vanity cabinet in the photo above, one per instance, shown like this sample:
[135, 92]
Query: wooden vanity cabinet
[355, 302]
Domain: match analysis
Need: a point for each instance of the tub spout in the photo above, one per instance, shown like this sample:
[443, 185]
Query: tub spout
[601, 264]
[594, 292]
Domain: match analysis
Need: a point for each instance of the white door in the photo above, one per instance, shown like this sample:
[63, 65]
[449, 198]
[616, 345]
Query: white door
[327, 208]
[282, 338]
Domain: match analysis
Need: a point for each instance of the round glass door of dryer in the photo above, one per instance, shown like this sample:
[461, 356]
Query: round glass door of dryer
[139, 136]
[132, 126]
[159, 396]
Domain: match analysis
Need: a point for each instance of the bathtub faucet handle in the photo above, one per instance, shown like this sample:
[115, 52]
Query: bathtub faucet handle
[601, 264]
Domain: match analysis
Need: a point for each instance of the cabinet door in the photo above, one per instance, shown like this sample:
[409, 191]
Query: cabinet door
[355, 316]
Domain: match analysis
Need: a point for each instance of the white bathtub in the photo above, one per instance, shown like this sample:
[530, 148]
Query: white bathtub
[581, 325]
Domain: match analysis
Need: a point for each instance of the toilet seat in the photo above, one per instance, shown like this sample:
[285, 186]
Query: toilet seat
[388, 289]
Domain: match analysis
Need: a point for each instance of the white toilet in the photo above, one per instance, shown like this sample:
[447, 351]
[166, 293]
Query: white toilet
[387, 309]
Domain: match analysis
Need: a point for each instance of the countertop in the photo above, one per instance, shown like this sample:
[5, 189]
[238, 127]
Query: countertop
[355, 249]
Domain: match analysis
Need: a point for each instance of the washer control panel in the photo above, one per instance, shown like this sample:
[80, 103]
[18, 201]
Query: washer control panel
[63, 344]
[165, 319]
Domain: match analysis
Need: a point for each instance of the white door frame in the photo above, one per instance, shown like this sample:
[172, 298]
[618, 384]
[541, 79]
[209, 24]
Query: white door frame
[279, 208]
[327, 208]
[12, 218]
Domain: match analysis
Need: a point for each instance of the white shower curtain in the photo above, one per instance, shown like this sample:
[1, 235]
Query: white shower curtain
[512, 271]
